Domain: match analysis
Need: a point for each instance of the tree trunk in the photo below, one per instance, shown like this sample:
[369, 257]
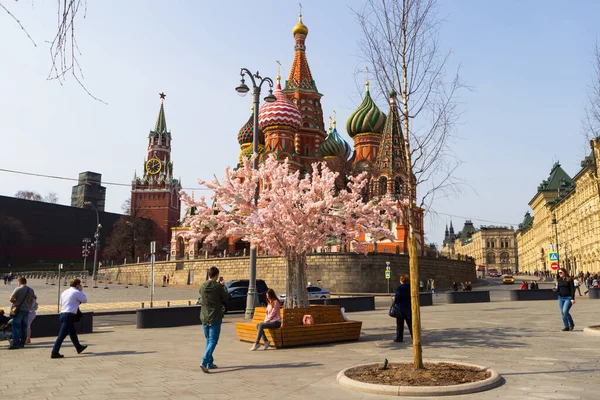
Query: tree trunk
[413, 259]
[289, 283]
[301, 281]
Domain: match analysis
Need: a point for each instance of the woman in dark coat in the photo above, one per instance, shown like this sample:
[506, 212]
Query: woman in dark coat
[403, 305]
[566, 298]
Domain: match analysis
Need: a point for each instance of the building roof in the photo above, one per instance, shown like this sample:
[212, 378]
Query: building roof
[391, 158]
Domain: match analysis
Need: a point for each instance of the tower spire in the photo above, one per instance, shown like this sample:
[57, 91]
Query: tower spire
[367, 75]
[161, 122]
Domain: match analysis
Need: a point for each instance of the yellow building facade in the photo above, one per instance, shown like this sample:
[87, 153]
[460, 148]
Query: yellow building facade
[492, 247]
[565, 211]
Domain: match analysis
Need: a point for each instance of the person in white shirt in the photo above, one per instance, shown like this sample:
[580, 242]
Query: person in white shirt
[577, 284]
[70, 300]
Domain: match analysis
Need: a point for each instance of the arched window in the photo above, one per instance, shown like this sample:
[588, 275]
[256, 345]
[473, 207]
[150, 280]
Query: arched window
[491, 258]
[504, 258]
[398, 186]
[382, 186]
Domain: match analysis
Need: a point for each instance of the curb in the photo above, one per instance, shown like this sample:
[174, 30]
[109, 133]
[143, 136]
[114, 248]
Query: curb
[494, 380]
[590, 331]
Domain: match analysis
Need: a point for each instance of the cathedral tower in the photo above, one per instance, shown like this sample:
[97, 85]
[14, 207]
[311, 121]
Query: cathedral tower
[300, 89]
[155, 195]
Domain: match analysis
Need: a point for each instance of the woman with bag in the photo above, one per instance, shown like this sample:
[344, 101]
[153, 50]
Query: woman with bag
[401, 308]
[70, 300]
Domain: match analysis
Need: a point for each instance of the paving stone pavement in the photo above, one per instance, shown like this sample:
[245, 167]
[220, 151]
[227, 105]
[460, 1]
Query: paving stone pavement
[521, 340]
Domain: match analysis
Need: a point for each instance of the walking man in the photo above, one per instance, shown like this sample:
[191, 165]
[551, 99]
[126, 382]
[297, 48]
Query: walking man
[22, 299]
[213, 295]
[70, 300]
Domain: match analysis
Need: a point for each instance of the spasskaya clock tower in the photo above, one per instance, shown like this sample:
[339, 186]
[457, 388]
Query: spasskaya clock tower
[155, 195]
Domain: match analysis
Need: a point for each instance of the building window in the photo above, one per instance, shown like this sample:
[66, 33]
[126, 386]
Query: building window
[382, 186]
[491, 258]
[306, 150]
[504, 258]
[398, 186]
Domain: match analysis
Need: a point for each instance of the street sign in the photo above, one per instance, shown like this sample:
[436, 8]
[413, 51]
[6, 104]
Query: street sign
[388, 268]
[554, 266]
[552, 257]
[152, 247]
[388, 274]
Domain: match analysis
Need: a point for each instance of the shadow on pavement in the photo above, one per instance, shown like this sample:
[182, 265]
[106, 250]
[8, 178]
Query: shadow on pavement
[117, 353]
[266, 366]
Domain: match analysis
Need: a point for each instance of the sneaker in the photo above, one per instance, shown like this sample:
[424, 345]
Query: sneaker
[212, 366]
[204, 369]
[11, 347]
[566, 328]
[255, 346]
[57, 355]
[267, 345]
[572, 327]
[81, 349]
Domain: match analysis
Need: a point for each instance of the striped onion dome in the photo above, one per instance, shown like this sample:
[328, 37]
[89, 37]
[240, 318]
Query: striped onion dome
[366, 119]
[246, 134]
[333, 146]
[281, 112]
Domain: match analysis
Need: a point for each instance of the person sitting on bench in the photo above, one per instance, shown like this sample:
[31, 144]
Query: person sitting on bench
[272, 320]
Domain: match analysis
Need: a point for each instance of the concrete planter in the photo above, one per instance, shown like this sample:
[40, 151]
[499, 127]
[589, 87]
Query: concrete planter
[468, 297]
[167, 317]
[350, 304]
[49, 324]
[540, 294]
[425, 299]
[594, 293]
[434, 391]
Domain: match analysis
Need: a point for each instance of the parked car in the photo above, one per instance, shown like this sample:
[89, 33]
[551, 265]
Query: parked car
[237, 299]
[261, 286]
[508, 279]
[494, 274]
[314, 292]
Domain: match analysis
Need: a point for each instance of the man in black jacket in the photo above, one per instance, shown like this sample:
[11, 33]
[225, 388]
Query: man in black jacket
[403, 306]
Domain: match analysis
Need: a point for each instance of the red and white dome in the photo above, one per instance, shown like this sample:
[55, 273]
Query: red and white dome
[280, 112]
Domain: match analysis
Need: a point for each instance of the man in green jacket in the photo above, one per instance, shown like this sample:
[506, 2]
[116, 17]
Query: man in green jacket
[213, 295]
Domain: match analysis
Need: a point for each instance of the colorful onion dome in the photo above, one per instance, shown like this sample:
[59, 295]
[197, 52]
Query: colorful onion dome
[366, 119]
[246, 134]
[300, 28]
[348, 151]
[281, 112]
[333, 146]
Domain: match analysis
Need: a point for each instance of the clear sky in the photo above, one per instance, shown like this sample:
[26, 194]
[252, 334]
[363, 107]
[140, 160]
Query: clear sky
[528, 64]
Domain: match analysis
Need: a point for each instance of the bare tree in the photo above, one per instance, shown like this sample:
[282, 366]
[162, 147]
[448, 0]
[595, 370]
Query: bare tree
[400, 41]
[64, 50]
[29, 195]
[591, 119]
[51, 198]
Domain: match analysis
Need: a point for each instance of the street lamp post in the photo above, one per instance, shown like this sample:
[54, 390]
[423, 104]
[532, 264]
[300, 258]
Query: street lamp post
[85, 252]
[556, 235]
[242, 89]
[96, 241]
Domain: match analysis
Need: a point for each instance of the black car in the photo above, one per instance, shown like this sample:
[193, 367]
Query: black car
[238, 295]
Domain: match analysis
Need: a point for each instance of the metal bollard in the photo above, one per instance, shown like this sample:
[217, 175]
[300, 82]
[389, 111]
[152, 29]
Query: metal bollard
[151, 305]
[142, 304]
[168, 304]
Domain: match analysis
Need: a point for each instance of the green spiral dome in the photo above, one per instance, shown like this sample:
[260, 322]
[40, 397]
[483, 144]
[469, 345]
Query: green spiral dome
[366, 119]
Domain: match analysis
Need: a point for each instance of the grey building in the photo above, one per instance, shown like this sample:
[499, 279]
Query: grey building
[89, 189]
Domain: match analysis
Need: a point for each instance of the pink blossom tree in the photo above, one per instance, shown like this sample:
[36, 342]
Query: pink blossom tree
[294, 214]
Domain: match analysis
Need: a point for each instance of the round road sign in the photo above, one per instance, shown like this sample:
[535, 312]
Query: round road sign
[554, 266]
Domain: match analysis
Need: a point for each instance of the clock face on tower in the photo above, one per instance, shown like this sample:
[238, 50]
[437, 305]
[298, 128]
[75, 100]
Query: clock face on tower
[153, 166]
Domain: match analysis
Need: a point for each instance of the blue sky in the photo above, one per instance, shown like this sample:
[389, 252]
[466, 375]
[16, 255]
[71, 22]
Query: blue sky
[528, 65]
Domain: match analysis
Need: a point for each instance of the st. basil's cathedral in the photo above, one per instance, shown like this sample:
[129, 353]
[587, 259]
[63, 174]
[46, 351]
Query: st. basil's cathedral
[292, 128]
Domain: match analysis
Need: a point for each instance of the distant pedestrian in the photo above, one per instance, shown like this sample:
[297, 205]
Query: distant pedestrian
[70, 300]
[272, 320]
[168, 279]
[32, 315]
[213, 295]
[523, 285]
[577, 284]
[532, 285]
[164, 280]
[566, 298]
[421, 286]
[432, 285]
[5, 278]
[403, 308]
[454, 287]
[22, 300]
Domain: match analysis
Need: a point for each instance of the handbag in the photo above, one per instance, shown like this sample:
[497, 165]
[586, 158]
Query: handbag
[78, 315]
[394, 311]
[14, 309]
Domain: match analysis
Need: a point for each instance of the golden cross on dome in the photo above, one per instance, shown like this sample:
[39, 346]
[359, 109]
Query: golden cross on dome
[367, 69]
[334, 119]
[278, 71]
[300, 4]
[330, 123]
[162, 96]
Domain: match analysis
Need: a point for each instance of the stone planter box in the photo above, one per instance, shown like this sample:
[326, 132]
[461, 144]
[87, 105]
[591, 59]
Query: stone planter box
[350, 304]
[49, 324]
[594, 293]
[167, 317]
[468, 297]
[425, 299]
[540, 294]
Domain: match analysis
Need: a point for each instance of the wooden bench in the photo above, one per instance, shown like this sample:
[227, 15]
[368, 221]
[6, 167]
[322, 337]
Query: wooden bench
[329, 326]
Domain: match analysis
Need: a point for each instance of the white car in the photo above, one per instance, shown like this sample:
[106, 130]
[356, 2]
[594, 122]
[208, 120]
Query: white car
[314, 293]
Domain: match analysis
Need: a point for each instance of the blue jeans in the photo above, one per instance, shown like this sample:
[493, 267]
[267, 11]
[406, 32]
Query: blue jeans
[66, 328]
[211, 333]
[19, 328]
[564, 303]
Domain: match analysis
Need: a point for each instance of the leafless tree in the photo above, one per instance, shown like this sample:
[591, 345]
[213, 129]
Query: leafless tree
[400, 41]
[591, 119]
[29, 195]
[64, 50]
[51, 198]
